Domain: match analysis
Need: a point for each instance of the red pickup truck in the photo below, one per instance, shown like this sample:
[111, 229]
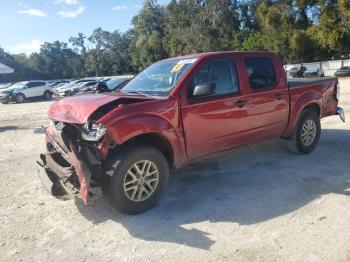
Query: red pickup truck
[175, 112]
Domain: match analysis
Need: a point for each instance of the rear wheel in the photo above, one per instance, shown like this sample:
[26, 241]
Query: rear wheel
[135, 179]
[19, 98]
[47, 95]
[306, 134]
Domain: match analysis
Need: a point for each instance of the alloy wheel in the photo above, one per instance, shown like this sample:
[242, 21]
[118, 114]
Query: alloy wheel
[141, 180]
[308, 132]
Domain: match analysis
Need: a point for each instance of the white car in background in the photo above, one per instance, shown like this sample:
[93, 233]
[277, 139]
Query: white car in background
[22, 91]
[6, 85]
[66, 89]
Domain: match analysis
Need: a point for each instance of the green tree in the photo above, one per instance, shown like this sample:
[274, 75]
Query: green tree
[147, 42]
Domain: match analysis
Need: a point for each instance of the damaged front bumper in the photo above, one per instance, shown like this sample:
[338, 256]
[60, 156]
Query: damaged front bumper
[55, 178]
[66, 171]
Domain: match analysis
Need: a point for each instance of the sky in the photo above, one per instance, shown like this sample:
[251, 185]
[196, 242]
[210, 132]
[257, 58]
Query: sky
[26, 24]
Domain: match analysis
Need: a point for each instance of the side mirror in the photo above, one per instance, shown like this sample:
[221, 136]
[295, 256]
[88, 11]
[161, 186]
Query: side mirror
[204, 90]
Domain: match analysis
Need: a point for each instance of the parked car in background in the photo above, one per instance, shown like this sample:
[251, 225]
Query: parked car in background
[5, 85]
[343, 71]
[56, 83]
[297, 72]
[58, 86]
[93, 87]
[176, 112]
[113, 84]
[116, 84]
[66, 89]
[313, 72]
[22, 91]
[74, 89]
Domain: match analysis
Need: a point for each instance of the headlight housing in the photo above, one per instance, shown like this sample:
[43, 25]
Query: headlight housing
[95, 133]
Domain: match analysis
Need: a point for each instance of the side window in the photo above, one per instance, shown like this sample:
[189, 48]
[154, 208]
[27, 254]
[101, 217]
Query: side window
[261, 73]
[222, 72]
[91, 83]
[35, 84]
[30, 85]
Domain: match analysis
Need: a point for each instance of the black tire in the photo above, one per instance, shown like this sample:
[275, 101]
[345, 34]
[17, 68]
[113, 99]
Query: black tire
[19, 98]
[47, 95]
[116, 171]
[295, 143]
[5, 102]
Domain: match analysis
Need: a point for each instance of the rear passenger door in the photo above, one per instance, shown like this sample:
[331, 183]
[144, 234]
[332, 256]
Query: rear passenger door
[268, 97]
[34, 89]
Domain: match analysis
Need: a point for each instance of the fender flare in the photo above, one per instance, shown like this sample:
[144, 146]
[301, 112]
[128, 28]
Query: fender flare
[130, 127]
[304, 101]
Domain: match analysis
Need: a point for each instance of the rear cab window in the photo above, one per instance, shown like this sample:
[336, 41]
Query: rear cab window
[261, 73]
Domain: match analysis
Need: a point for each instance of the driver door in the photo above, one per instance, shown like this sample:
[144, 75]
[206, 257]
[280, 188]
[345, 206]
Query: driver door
[216, 122]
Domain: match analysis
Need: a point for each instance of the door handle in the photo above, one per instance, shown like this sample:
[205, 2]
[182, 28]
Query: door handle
[241, 103]
[279, 96]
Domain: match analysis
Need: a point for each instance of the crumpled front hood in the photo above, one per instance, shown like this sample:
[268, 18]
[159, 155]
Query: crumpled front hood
[77, 109]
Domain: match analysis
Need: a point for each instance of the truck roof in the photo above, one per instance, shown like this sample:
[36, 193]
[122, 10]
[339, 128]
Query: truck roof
[200, 55]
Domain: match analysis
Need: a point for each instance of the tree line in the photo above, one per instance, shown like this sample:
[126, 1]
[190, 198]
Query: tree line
[297, 30]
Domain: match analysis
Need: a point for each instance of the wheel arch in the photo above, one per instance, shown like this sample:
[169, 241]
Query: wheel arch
[314, 107]
[155, 140]
[19, 93]
[311, 100]
[150, 130]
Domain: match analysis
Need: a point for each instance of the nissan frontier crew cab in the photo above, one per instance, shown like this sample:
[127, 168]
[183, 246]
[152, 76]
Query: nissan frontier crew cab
[175, 112]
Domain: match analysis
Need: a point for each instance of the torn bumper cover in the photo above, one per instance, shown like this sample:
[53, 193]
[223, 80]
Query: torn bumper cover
[64, 175]
[55, 180]
[60, 181]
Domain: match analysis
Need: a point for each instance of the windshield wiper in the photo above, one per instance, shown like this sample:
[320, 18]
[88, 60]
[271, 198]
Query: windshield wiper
[135, 92]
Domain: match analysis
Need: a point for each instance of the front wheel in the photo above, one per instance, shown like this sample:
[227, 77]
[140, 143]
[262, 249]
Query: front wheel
[135, 179]
[19, 98]
[306, 134]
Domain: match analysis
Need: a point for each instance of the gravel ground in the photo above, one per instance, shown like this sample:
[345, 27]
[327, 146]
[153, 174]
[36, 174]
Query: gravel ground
[259, 203]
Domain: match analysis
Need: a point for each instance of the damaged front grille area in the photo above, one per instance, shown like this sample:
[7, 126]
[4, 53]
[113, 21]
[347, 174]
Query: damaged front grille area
[52, 146]
[70, 163]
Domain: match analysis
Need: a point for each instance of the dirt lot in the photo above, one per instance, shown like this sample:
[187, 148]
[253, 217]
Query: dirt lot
[259, 203]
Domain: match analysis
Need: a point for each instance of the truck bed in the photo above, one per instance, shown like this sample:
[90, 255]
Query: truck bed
[301, 82]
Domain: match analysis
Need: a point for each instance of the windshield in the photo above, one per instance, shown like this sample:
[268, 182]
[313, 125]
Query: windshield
[19, 84]
[160, 78]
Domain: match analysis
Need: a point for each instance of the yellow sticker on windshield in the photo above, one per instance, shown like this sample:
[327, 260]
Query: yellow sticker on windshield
[177, 68]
